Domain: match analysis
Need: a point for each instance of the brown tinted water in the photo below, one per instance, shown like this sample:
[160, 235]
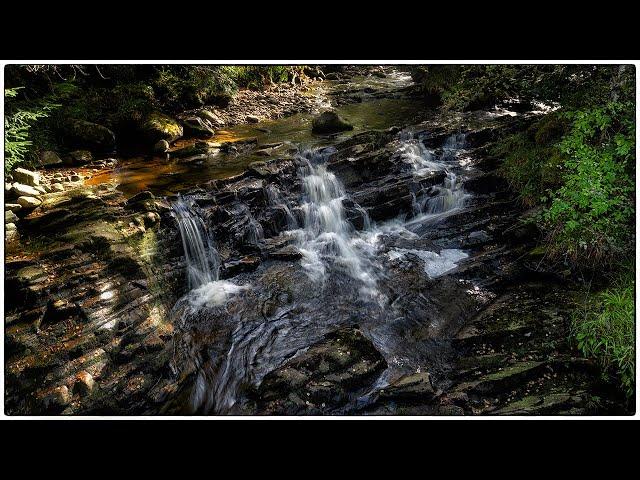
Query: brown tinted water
[165, 176]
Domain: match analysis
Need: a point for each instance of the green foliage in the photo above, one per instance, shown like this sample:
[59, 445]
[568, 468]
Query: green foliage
[605, 330]
[590, 214]
[180, 86]
[260, 76]
[18, 120]
[532, 160]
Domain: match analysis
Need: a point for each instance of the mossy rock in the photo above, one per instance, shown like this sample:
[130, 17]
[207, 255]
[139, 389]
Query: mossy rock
[158, 126]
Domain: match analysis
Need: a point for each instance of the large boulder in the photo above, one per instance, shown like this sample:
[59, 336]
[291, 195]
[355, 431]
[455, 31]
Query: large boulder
[26, 177]
[197, 127]
[329, 122]
[158, 126]
[87, 135]
[49, 158]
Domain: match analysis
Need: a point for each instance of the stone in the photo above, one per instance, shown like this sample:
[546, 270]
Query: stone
[196, 127]
[24, 190]
[49, 158]
[40, 189]
[140, 197]
[88, 135]
[26, 177]
[10, 227]
[329, 122]
[84, 383]
[57, 187]
[75, 178]
[29, 202]
[14, 207]
[158, 126]
[10, 217]
[57, 398]
[79, 157]
[211, 117]
[161, 146]
[252, 119]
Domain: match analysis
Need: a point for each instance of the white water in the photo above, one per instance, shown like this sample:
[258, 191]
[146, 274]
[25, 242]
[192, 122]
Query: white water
[203, 261]
[326, 235]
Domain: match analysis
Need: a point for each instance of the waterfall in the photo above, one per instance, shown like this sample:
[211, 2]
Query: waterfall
[203, 263]
[326, 234]
[447, 197]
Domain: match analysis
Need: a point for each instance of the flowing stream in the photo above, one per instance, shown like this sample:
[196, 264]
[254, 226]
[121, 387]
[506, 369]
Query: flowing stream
[342, 270]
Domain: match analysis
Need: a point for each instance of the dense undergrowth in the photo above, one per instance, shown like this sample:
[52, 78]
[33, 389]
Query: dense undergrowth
[575, 166]
[114, 96]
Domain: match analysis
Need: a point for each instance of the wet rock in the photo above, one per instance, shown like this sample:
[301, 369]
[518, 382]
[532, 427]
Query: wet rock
[158, 126]
[287, 253]
[161, 146]
[325, 377]
[28, 202]
[26, 177]
[79, 157]
[329, 122]
[252, 119]
[197, 127]
[58, 310]
[49, 158]
[197, 149]
[140, 197]
[84, 383]
[245, 264]
[24, 190]
[82, 134]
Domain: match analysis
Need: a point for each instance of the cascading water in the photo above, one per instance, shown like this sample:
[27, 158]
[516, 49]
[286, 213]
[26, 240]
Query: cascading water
[334, 253]
[202, 260]
[326, 235]
[203, 263]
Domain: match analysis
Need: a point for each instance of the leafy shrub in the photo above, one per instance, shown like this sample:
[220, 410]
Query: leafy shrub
[18, 120]
[605, 330]
[590, 214]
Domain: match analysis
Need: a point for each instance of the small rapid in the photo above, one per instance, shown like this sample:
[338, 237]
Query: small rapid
[347, 274]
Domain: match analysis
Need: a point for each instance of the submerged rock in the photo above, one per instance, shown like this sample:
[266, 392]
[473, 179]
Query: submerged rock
[329, 122]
